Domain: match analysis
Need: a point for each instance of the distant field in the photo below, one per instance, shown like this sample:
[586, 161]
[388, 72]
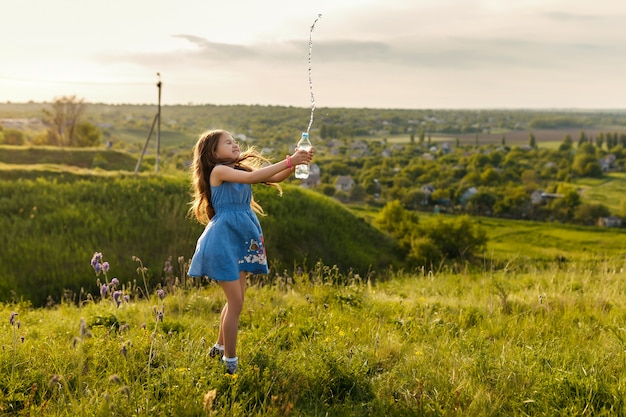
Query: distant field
[513, 240]
[522, 240]
[610, 190]
[549, 138]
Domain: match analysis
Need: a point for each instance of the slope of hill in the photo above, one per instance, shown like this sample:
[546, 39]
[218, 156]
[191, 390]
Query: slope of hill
[52, 226]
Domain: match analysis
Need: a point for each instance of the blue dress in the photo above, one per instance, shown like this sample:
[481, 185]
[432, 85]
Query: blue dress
[233, 239]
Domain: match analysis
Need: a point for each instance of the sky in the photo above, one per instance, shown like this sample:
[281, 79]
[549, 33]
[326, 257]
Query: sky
[410, 54]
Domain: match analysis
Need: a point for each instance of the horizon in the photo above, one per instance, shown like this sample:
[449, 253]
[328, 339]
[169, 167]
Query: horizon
[521, 109]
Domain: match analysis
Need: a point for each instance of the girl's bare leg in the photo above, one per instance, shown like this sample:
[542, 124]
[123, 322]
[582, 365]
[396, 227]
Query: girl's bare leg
[229, 320]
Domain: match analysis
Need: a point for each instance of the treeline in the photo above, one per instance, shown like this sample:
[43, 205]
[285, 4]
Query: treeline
[52, 227]
[274, 126]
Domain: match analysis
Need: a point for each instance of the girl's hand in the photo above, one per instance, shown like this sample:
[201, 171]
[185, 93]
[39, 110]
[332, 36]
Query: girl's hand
[302, 157]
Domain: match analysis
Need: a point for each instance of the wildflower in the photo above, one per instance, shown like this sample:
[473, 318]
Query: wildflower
[168, 268]
[127, 298]
[117, 295]
[115, 282]
[96, 264]
[105, 266]
[96, 258]
[12, 318]
[124, 350]
[103, 290]
[159, 313]
[161, 293]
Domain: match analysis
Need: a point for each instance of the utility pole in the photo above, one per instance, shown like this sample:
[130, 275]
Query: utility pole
[156, 165]
[157, 118]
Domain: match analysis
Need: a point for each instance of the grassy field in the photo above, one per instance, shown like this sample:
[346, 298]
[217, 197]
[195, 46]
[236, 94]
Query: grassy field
[610, 191]
[538, 343]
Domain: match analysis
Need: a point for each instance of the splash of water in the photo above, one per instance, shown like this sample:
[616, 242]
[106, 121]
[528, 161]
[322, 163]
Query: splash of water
[310, 71]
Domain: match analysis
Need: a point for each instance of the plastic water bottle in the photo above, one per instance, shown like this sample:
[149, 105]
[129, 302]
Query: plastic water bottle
[302, 170]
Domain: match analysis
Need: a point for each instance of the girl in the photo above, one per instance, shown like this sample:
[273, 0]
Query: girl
[231, 245]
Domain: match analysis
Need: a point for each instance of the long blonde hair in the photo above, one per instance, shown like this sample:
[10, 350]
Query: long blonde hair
[204, 160]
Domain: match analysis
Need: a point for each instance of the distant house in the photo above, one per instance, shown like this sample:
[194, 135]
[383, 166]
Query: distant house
[359, 149]
[611, 221]
[334, 146]
[344, 183]
[608, 162]
[469, 193]
[428, 190]
[540, 197]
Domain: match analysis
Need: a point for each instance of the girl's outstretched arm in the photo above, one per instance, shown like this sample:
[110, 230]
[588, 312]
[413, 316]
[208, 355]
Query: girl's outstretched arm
[270, 173]
[283, 175]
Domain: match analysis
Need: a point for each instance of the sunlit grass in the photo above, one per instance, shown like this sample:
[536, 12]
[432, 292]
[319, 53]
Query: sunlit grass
[510, 341]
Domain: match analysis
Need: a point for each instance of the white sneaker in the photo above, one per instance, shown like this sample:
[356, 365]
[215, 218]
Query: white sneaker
[231, 365]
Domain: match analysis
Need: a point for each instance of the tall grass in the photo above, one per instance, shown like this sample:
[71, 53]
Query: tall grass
[541, 342]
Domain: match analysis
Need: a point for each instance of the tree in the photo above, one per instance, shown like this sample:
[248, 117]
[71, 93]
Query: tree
[457, 238]
[398, 222]
[567, 143]
[532, 142]
[13, 137]
[589, 213]
[587, 165]
[63, 120]
[582, 138]
[87, 134]
[481, 203]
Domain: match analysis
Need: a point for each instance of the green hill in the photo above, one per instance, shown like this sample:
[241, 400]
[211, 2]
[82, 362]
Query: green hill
[89, 158]
[52, 226]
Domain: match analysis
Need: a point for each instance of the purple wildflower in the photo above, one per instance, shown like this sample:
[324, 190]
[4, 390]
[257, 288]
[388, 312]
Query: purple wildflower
[115, 282]
[161, 293]
[105, 266]
[127, 298]
[95, 259]
[117, 295]
[103, 290]
[168, 268]
[12, 318]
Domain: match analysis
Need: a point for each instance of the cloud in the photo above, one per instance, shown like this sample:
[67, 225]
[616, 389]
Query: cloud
[219, 51]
